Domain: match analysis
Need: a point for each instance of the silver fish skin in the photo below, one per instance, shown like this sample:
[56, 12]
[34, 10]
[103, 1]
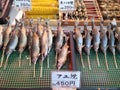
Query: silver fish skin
[112, 41]
[44, 45]
[79, 40]
[35, 49]
[22, 39]
[96, 39]
[104, 41]
[12, 43]
[88, 39]
[1, 36]
[59, 39]
[50, 38]
[118, 39]
[62, 56]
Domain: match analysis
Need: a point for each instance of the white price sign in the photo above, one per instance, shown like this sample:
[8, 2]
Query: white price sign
[22, 4]
[65, 79]
[66, 5]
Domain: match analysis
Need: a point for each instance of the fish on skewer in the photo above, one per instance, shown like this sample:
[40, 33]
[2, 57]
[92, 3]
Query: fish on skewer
[104, 41]
[6, 38]
[117, 35]
[29, 38]
[50, 39]
[1, 36]
[88, 39]
[22, 40]
[44, 49]
[79, 41]
[59, 40]
[96, 40]
[35, 50]
[62, 56]
[112, 42]
[11, 46]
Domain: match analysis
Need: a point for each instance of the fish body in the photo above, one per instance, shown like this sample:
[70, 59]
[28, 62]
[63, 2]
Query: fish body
[118, 38]
[50, 38]
[62, 56]
[79, 40]
[44, 45]
[6, 36]
[22, 39]
[39, 28]
[12, 43]
[35, 49]
[1, 36]
[96, 39]
[104, 41]
[88, 43]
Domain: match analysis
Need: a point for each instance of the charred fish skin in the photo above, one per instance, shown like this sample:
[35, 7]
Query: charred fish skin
[35, 49]
[62, 56]
[1, 36]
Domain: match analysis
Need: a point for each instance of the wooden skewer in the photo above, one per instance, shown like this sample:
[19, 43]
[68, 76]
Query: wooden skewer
[82, 61]
[34, 71]
[106, 62]
[30, 61]
[98, 62]
[6, 62]
[41, 69]
[20, 59]
[48, 63]
[2, 57]
[89, 62]
[115, 61]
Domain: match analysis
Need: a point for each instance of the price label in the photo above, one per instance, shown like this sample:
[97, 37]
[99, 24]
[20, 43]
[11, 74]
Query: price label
[22, 4]
[66, 79]
[66, 5]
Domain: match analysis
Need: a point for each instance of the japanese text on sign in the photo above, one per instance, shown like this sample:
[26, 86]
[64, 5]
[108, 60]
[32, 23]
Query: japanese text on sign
[66, 5]
[23, 4]
[65, 79]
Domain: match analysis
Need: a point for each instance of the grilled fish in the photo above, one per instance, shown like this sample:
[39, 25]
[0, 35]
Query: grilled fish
[62, 56]
[79, 42]
[6, 38]
[11, 46]
[118, 39]
[39, 28]
[35, 49]
[22, 41]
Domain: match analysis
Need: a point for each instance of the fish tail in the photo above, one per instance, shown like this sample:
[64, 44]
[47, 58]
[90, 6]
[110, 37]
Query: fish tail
[115, 61]
[82, 61]
[2, 56]
[6, 62]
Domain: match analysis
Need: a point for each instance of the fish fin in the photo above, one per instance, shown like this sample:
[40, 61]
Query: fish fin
[83, 46]
[68, 52]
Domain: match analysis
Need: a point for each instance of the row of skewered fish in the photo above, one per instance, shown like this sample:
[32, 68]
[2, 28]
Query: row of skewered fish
[38, 39]
[103, 37]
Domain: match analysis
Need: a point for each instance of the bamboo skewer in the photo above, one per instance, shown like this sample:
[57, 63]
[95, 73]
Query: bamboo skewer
[82, 61]
[34, 71]
[2, 57]
[89, 62]
[6, 62]
[115, 61]
[48, 62]
[98, 62]
[41, 69]
[106, 62]
[20, 59]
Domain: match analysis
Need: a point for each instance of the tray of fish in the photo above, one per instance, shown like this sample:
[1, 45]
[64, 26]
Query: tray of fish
[97, 54]
[84, 9]
[30, 52]
[110, 9]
